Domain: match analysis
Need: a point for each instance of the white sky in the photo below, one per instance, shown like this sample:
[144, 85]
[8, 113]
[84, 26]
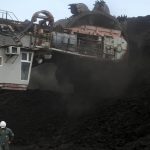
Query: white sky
[24, 9]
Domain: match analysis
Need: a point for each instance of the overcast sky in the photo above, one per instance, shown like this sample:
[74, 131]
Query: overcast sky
[24, 9]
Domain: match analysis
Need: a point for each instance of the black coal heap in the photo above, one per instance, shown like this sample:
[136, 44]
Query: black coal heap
[55, 121]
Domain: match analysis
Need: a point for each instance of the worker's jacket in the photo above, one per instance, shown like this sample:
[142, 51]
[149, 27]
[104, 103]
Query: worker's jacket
[6, 135]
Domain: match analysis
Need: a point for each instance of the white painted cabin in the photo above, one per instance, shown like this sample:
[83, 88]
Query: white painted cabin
[15, 68]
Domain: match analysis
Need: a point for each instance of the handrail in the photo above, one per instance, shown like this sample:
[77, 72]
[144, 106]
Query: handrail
[8, 15]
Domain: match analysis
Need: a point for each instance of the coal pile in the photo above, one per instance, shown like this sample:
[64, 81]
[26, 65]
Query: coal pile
[48, 120]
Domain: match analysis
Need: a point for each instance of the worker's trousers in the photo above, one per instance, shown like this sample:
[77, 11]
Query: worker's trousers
[4, 147]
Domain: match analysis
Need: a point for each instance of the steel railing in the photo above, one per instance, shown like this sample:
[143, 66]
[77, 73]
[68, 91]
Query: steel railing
[8, 15]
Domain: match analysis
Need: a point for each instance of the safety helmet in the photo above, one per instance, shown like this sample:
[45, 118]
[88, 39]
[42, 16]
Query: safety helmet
[2, 124]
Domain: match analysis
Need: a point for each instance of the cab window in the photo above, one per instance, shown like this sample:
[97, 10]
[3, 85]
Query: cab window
[1, 60]
[25, 65]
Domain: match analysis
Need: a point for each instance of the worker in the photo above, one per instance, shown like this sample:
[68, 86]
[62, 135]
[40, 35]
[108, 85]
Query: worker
[6, 136]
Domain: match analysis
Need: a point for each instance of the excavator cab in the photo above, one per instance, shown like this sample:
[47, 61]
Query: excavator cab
[22, 45]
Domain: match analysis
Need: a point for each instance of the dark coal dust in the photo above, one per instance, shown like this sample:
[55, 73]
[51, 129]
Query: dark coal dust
[84, 105]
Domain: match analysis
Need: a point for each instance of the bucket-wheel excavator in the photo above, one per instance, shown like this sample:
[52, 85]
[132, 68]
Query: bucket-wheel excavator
[88, 35]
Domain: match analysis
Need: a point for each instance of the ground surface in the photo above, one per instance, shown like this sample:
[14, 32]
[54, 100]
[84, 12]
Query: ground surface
[46, 120]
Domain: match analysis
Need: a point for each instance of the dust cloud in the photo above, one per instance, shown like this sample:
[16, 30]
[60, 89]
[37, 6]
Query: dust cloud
[43, 78]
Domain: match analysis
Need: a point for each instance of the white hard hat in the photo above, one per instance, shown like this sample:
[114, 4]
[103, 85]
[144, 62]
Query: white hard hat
[2, 124]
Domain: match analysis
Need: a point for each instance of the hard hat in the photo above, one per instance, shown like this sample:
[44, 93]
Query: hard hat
[2, 124]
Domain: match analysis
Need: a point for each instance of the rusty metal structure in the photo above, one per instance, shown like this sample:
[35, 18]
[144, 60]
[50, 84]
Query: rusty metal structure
[94, 34]
[91, 34]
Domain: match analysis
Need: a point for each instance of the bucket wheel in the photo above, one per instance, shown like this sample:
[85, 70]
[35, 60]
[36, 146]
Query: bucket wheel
[45, 18]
